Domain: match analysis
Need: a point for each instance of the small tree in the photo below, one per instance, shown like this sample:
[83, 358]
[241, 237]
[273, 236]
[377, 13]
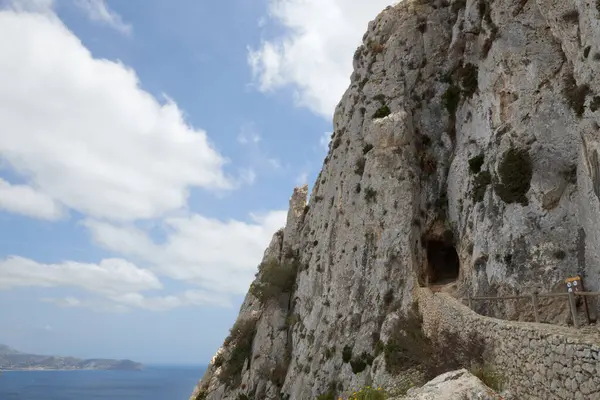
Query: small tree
[274, 278]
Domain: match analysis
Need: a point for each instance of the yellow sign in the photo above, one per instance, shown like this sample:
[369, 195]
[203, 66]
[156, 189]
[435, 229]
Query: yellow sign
[574, 284]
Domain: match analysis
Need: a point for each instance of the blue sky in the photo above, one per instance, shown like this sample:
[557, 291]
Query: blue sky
[148, 150]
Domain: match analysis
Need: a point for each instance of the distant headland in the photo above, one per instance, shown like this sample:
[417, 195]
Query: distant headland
[13, 360]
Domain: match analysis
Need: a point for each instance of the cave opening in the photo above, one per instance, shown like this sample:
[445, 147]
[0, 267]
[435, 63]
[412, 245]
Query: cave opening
[442, 261]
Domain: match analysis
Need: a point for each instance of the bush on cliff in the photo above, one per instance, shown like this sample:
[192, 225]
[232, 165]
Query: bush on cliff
[409, 348]
[240, 339]
[516, 171]
[274, 278]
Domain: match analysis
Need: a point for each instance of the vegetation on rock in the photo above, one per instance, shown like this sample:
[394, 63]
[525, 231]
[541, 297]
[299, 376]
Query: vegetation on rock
[202, 395]
[451, 98]
[240, 338]
[515, 171]
[575, 94]
[370, 194]
[346, 353]
[480, 184]
[359, 364]
[274, 278]
[408, 348]
[382, 112]
[475, 163]
[359, 166]
[468, 79]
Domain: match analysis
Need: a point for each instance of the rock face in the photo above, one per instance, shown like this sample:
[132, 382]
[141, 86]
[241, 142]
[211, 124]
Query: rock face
[452, 386]
[466, 148]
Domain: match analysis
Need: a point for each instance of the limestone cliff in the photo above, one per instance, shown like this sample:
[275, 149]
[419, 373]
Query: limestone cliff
[466, 148]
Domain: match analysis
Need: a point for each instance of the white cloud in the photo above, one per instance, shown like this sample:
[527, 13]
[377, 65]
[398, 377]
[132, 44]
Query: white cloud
[84, 136]
[98, 11]
[188, 298]
[99, 305]
[41, 6]
[220, 257]
[25, 200]
[68, 301]
[84, 133]
[111, 277]
[125, 302]
[314, 55]
[117, 281]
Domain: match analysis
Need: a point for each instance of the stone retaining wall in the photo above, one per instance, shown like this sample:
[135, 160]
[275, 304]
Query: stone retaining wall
[538, 361]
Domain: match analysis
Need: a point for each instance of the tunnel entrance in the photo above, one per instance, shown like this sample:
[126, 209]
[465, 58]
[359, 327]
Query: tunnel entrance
[442, 262]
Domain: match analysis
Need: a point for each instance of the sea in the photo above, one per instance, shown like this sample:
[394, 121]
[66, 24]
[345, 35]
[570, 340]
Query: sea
[151, 383]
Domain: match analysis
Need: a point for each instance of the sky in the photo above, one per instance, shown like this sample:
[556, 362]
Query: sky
[148, 151]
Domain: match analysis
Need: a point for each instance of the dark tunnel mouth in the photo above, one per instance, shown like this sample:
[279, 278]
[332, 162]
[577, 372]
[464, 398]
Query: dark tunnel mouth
[442, 261]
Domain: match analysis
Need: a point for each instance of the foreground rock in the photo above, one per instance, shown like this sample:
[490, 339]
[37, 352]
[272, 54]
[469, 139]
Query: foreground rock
[455, 385]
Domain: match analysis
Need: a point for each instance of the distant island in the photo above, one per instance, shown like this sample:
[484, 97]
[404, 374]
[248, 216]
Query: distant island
[13, 360]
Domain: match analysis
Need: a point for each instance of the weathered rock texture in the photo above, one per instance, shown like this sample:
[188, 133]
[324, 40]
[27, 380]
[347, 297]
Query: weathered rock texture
[452, 386]
[467, 143]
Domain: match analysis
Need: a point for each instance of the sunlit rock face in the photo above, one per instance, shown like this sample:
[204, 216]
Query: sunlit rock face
[465, 150]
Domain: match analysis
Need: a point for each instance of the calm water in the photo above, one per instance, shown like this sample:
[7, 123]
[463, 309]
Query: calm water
[153, 383]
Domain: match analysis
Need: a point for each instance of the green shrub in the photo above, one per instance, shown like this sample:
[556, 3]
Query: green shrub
[408, 347]
[379, 347]
[329, 352]
[575, 95]
[219, 359]
[480, 184]
[336, 142]
[475, 163]
[359, 364]
[451, 98]
[382, 112]
[369, 393]
[274, 278]
[330, 395]
[490, 377]
[346, 353]
[468, 78]
[515, 172]
[370, 194]
[359, 166]
[240, 337]
[571, 16]
[560, 254]
[202, 395]
[380, 98]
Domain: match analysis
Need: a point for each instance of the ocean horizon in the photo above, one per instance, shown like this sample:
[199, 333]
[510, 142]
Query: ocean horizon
[154, 382]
